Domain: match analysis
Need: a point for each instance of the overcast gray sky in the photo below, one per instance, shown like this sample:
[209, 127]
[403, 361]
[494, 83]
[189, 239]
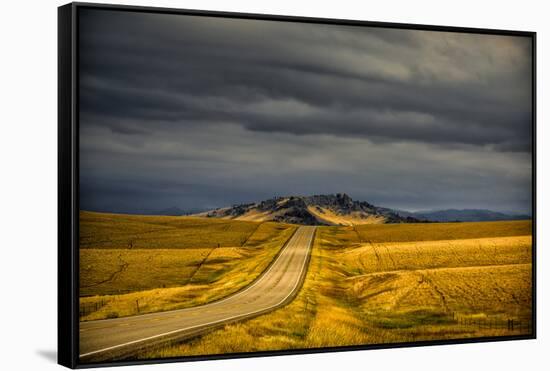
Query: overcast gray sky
[199, 112]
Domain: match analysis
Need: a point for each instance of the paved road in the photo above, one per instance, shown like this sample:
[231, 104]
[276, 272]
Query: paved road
[122, 337]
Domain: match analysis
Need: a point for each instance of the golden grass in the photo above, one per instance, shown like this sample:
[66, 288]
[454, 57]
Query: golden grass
[117, 271]
[445, 288]
[381, 257]
[122, 282]
[467, 290]
[119, 231]
[441, 231]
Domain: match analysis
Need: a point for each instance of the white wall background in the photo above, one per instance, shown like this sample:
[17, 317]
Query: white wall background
[28, 181]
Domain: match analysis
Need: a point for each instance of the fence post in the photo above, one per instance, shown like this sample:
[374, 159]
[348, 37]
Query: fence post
[137, 305]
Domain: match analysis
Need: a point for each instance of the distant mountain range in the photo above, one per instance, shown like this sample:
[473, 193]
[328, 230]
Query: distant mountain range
[464, 215]
[333, 209]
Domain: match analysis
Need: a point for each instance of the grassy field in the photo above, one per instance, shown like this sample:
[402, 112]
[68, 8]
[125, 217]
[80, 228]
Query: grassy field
[440, 231]
[183, 266]
[119, 231]
[377, 284]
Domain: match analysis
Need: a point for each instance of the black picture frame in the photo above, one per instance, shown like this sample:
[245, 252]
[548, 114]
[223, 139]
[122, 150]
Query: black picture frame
[68, 180]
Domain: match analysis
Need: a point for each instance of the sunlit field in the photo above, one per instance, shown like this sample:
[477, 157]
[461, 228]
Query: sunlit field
[375, 284]
[190, 261]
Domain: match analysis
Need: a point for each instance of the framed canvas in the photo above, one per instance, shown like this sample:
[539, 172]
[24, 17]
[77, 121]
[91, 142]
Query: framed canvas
[236, 185]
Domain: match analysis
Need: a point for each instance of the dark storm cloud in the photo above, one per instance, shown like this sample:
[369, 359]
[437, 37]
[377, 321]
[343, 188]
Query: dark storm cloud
[380, 83]
[152, 84]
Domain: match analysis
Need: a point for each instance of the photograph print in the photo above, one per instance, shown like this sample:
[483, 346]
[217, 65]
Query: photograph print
[279, 185]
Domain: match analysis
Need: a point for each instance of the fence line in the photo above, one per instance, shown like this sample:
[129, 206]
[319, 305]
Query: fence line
[87, 308]
[494, 322]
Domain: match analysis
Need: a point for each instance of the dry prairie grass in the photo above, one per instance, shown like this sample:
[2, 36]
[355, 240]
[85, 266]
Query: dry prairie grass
[382, 257]
[119, 231]
[123, 282]
[485, 290]
[117, 271]
[441, 231]
[413, 291]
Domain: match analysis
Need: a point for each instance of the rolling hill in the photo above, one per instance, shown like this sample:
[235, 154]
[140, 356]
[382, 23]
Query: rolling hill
[333, 209]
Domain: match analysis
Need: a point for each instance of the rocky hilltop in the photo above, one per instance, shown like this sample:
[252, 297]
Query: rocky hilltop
[332, 209]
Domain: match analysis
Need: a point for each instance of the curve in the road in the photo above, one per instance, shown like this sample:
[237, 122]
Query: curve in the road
[123, 337]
